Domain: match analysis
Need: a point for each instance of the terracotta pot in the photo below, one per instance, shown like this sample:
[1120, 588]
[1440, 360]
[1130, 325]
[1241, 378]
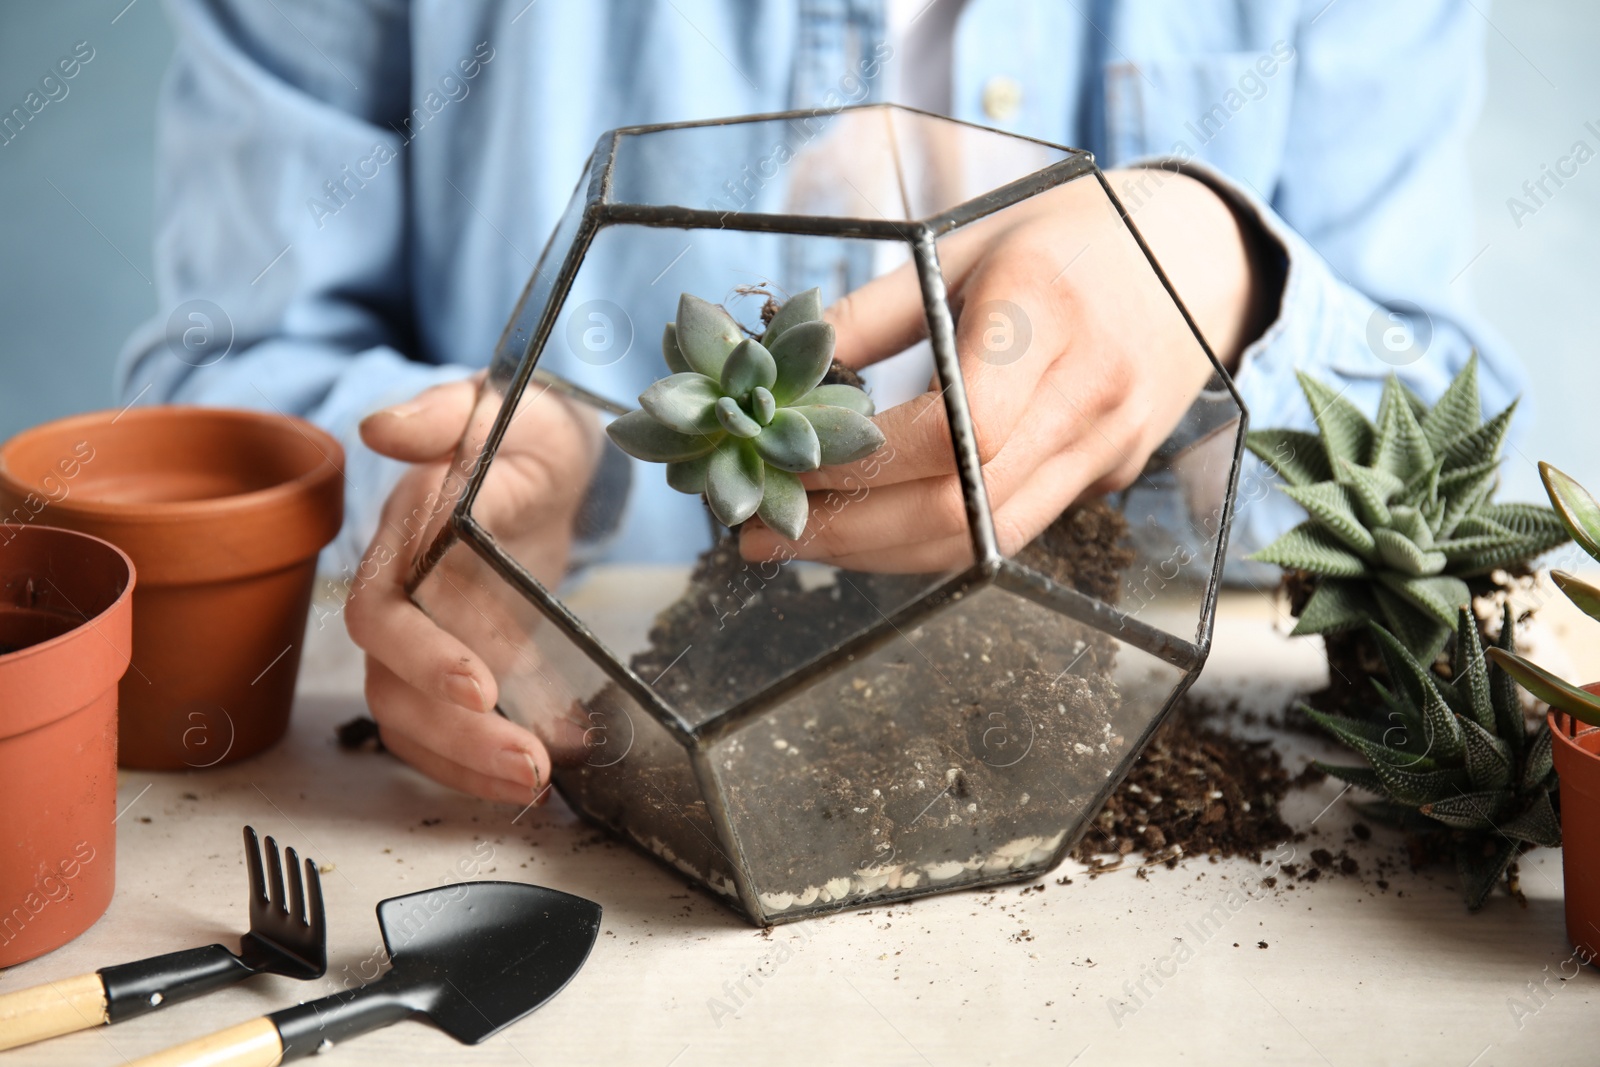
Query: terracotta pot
[1577, 754]
[66, 630]
[224, 513]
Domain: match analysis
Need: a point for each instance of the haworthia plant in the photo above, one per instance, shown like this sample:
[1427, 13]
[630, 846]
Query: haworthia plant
[1399, 512]
[1456, 753]
[1580, 513]
[740, 418]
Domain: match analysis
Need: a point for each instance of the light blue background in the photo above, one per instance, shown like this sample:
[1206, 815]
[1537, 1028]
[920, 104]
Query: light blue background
[76, 259]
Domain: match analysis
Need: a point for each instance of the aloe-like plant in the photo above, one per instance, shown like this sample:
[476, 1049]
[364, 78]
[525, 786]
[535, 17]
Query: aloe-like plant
[1456, 753]
[1580, 513]
[741, 418]
[1401, 512]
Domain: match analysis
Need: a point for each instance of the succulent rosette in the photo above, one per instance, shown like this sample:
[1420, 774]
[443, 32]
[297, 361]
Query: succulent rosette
[741, 418]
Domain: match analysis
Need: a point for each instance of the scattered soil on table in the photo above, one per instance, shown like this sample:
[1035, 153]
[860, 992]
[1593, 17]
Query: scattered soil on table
[358, 733]
[1195, 790]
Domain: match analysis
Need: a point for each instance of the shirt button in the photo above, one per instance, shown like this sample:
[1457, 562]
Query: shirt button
[1002, 98]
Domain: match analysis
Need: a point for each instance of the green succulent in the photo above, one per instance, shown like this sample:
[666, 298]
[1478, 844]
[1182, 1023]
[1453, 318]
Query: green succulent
[1456, 753]
[1399, 512]
[1580, 513]
[740, 419]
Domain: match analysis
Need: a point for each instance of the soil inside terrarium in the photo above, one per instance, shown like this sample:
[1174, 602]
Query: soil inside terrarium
[969, 751]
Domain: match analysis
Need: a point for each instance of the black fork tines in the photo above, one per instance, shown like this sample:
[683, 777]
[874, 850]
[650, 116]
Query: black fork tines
[276, 902]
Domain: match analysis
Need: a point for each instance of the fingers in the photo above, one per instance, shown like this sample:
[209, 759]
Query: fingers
[382, 619]
[878, 320]
[1044, 496]
[476, 752]
[425, 428]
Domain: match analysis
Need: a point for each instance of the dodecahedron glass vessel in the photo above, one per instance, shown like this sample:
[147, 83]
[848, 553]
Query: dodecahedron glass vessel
[802, 736]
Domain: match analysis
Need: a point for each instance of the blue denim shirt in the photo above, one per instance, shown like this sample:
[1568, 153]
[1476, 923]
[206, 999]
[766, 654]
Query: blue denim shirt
[1339, 127]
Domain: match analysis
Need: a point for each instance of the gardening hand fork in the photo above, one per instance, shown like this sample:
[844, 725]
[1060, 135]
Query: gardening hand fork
[288, 936]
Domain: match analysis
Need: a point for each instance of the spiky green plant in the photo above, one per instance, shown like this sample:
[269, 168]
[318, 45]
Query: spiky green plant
[1458, 754]
[1400, 512]
[741, 418]
[1580, 513]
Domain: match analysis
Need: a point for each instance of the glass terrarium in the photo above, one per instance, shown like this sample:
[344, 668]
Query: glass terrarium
[802, 736]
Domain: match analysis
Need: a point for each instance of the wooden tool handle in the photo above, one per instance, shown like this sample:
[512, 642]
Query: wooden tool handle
[252, 1044]
[52, 1009]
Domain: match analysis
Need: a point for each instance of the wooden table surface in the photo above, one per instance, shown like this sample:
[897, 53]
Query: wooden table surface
[1200, 964]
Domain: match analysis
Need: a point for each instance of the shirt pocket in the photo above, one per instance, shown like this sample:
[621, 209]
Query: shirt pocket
[1228, 109]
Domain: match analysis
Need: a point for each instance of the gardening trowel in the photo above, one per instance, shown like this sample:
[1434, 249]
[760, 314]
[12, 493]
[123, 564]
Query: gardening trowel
[474, 957]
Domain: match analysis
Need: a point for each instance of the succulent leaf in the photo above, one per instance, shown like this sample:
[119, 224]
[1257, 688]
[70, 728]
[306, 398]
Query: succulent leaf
[839, 396]
[671, 352]
[790, 443]
[784, 505]
[689, 475]
[1489, 762]
[804, 352]
[1458, 412]
[1311, 548]
[1579, 511]
[1330, 504]
[1371, 489]
[1472, 673]
[641, 436]
[1337, 604]
[733, 419]
[1360, 777]
[1579, 703]
[749, 366]
[1469, 811]
[735, 480]
[684, 402]
[1503, 688]
[1539, 763]
[802, 307]
[1294, 455]
[706, 334]
[1481, 864]
[1486, 440]
[1400, 447]
[1406, 556]
[846, 435]
[1441, 596]
[1585, 596]
[763, 407]
[1537, 824]
[1346, 433]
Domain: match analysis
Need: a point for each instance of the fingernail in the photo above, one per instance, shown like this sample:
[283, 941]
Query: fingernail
[515, 765]
[465, 691]
[541, 788]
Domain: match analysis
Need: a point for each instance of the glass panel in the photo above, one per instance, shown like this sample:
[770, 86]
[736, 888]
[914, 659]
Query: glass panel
[729, 627]
[879, 162]
[541, 284]
[970, 748]
[613, 762]
[1152, 548]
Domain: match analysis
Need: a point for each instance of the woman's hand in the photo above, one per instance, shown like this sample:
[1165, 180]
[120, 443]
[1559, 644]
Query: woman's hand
[432, 693]
[1075, 361]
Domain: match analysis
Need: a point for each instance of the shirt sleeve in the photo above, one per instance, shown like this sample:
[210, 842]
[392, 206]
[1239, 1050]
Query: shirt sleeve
[281, 227]
[1369, 215]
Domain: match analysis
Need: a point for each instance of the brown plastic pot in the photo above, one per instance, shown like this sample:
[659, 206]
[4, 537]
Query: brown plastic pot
[66, 631]
[1577, 754]
[224, 513]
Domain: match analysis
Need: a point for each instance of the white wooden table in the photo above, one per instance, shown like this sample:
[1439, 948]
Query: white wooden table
[1113, 970]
